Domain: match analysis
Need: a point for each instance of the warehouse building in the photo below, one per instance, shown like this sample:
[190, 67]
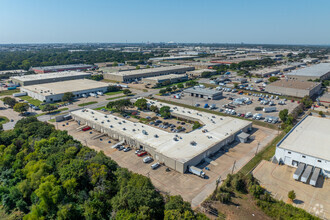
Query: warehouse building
[128, 76]
[198, 73]
[171, 78]
[61, 68]
[28, 80]
[306, 145]
[266, 72]
[318, 71]
[174, 150]
[294, 88]
[52, 92]
[203, 93]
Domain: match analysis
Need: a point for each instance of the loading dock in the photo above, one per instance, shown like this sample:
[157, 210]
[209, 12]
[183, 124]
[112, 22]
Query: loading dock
[315, 176]
[299, 171]
[306, 174]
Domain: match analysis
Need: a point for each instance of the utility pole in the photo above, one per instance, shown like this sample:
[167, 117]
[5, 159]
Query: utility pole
[257, 148]
[232, 171]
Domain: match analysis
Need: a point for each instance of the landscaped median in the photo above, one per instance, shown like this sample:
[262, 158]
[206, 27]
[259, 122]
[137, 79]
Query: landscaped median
[57, 111]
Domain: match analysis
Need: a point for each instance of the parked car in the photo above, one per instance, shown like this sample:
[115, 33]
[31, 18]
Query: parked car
[141, 153]
[155, 166]
[127, 149]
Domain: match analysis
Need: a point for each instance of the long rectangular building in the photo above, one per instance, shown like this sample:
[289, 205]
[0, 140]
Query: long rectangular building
[318, 71]
[203, 93]
[60, 68]
[307, 143]
[295, 88]
[176, 150]
[51, 92]
[128, 76]
[28, 80]
[172, 78]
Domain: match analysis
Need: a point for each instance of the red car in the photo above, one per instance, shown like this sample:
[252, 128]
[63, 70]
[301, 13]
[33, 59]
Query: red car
[86, 128]
[142, 153]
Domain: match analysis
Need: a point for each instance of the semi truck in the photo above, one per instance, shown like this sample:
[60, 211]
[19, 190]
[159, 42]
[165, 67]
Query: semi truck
[196, 171]
[269, 109]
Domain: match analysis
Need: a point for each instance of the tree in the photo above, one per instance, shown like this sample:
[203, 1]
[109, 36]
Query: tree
[9, 101]
[165, 111]
[168, 89]
[48, 108]
[292, 195]
[180, 86]
[127, 91]
[196, 125]
[235, 85]
[137, 67]
[141, 104]
[115, 64]
[273, 78]
[21, 107]
[321, 113]
[68, 97]
[206, 74]
[120, 105]
[307, 101]
[174, 88]
[162, 91]
[154, 108]
[113, 88]
[283, 114]
[191, 83]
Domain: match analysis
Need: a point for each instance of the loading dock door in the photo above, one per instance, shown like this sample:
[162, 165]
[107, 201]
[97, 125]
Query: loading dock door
[299, 171]
[287, 160]
[315, 176]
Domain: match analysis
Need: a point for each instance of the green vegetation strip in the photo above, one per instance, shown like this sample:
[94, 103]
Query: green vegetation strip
[265, 154]
[256, 122]
[3, 120]
[53, 112]
[117, 97]
[8, 92]
[114, 93]
[32, 101]
[87, 103]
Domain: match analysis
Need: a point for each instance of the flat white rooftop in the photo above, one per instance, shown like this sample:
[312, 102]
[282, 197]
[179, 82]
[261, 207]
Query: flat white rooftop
[33, 77]
[317, 70]
[149, 70]
[65, 86]
[310, 137]
[218, 129]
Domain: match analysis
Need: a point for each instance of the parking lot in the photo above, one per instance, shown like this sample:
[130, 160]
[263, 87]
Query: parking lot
[227, 103]
[191, 187]
[278, 180]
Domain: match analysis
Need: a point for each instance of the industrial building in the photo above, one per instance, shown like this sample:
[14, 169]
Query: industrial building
[198, 73]
[171, 78]
[203, 93]
[60, 68]
[175, 150]
[203, 65]
[28, 80]
[51, 92]
[306, 145]
[128, 76]
[318, 71]
[266, 72]
[296, 88]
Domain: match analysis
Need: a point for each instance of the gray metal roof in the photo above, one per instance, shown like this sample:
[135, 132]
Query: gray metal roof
[203, 91]
[315, 70]
[63, 67]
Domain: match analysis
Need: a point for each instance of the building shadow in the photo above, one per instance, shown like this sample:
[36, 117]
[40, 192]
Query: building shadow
[298, 201]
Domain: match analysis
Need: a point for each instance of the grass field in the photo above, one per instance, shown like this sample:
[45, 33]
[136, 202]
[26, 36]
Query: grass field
[8, 92]
[32, 101]
[87, 103]
[3, 120]
[114, 93]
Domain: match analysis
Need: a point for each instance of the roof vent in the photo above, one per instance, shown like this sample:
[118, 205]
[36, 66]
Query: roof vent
[111, 126]
[108, 120]
[124, 129]
[193, 143]
[144, 132]
[156, 136]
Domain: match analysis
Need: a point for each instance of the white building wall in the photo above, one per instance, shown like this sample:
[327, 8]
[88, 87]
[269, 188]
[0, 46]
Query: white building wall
[292, 159]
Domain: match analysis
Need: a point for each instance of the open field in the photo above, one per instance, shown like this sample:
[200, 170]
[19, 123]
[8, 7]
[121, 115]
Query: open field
[8, 92]
[279, 181]
[192, 188]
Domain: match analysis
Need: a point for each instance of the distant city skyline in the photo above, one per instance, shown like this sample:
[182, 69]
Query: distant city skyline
[251, 22]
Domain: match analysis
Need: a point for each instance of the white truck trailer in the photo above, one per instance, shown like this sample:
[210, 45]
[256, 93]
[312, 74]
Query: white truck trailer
[196, 171]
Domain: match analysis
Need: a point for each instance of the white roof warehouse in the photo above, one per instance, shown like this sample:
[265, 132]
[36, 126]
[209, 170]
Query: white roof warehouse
[175, 150]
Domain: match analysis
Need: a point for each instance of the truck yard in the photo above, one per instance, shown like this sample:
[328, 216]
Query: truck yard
[241, 103]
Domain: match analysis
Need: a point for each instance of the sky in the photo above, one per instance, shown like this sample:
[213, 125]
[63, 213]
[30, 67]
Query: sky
[181, 21]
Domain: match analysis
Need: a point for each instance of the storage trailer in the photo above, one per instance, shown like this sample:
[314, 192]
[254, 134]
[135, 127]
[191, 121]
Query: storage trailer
[315, 176]
[299, 171]
[307, 173]
[196, 171]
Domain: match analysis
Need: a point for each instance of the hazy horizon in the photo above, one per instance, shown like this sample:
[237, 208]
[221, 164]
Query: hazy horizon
[220, 22]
